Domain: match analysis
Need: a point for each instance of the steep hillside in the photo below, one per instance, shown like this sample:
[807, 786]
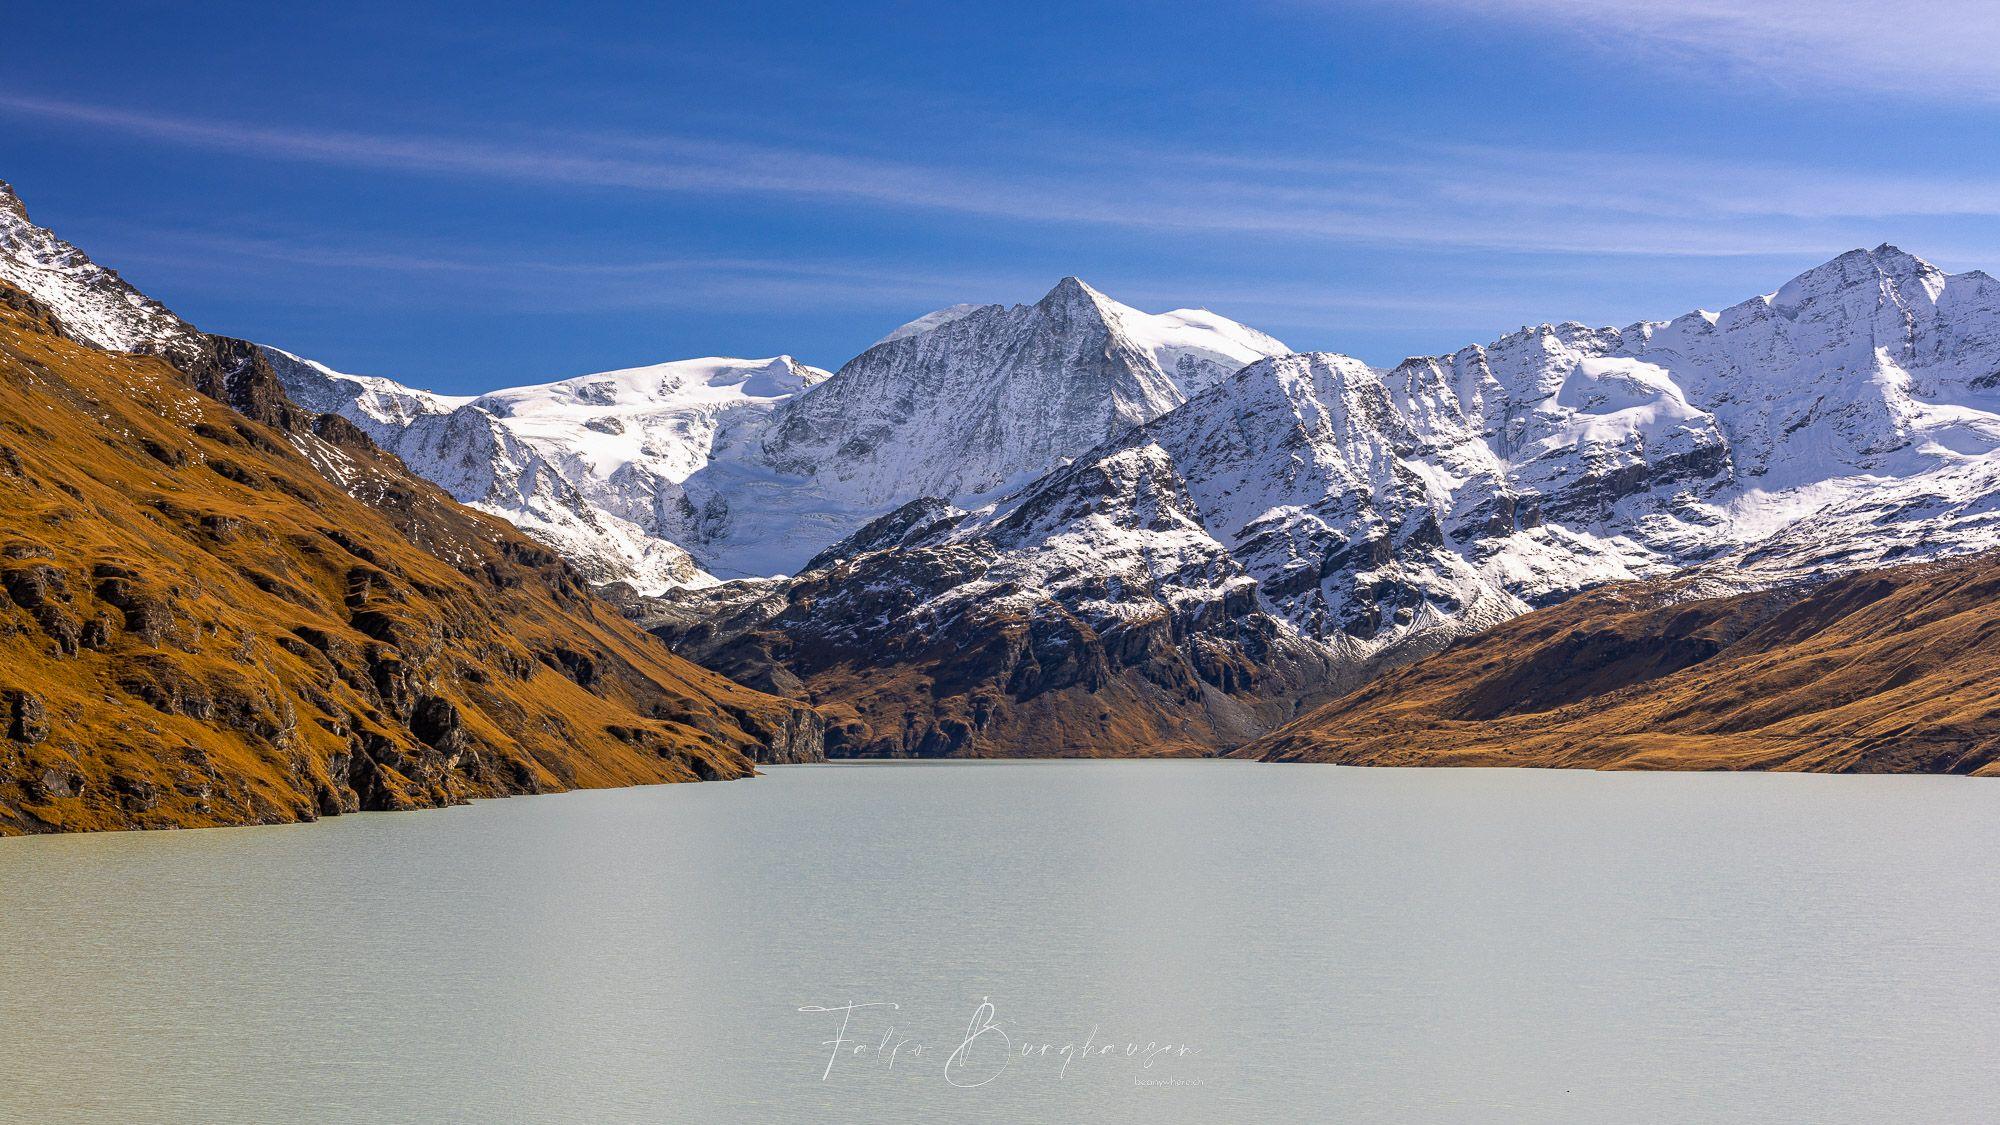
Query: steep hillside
[1894, 670]
[201, 628]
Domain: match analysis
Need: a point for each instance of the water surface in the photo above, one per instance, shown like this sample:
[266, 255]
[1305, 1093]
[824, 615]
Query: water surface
[1298, 943]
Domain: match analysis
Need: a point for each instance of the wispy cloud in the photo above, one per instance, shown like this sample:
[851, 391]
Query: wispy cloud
[1408, 195]
[546, 286]
[674, 164]
[1940, 49]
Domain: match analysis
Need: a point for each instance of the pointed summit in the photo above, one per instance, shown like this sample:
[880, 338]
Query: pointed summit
[1070, 288]
[979, 401]
[1073, 295]
[1859, 268]
[10, 202]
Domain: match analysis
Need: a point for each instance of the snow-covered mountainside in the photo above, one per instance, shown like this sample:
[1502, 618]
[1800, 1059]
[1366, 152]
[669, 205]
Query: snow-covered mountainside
[995, 396]
[1369, 505]
[93, 303]
[96, 306]
[592, 466]
[666, 476]
[1322, 506]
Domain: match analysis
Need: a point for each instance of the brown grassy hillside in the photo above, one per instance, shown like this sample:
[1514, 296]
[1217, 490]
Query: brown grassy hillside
[1893, 670]
[199, 627]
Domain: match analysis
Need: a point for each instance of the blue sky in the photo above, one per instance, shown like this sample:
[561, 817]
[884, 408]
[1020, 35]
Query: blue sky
[465, 199]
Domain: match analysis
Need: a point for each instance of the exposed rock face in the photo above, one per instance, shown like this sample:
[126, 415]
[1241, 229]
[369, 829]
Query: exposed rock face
[792, 736]
[27, 717]
[214, 617]
[1881, 671]
[989, 683]
[1336, 519]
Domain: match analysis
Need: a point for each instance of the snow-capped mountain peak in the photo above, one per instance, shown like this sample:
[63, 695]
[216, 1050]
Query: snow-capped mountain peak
[992, 395]
[1195, 348]
[966, 403]
[709, 377]
[1859, 271]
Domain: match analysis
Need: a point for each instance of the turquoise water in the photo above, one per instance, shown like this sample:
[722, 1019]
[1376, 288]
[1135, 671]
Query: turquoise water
[1283, 943]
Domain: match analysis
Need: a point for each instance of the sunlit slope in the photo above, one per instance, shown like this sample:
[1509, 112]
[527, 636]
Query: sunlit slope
[1894, 670]
[200, 628]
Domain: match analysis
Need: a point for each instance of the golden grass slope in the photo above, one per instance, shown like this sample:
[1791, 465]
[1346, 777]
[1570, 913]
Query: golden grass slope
[1894, 670]
[198, 628]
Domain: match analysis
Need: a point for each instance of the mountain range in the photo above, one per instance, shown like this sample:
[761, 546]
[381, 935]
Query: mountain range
[1073, 528]
[1311, 520]
[676, 474]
